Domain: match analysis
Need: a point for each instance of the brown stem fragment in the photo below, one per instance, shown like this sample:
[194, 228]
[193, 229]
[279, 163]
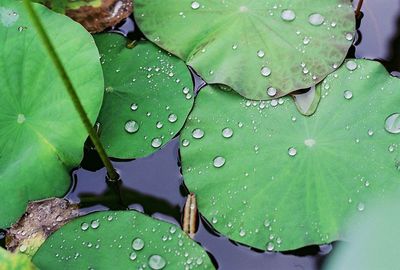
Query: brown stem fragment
[190, 215]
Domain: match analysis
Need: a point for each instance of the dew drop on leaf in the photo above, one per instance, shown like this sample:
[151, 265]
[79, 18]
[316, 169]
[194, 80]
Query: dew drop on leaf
[219, 162]
[195, 5]
[316, 19]
[271, 91]
[131, 126]
[292, 151]
[95, 224]
[288, 15]
[172, 118]
[156, 262]
[198, 133]
[265, 71]
[137, 244]
[132, 256]
[392, 123]
[227, 133]
[351, 65]
[156, 142]
[348, 94]
[134, 106]
[84, 226]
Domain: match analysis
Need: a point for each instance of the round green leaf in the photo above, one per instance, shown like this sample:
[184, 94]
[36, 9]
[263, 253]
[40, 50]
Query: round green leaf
[10, 261]
[41, 135]
[148, 96]
[268, 177]
[248, 45]
[120, 240]
[372, 242]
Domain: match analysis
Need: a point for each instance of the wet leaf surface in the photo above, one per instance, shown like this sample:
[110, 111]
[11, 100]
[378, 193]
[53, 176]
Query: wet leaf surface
[148, 96]
[41, 136]
[268, 177]
[122, 240]
[10, 261]
[253, 46]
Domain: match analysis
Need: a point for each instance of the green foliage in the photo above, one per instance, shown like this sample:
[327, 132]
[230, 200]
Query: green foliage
[148, 96]
[372, 241]
[120, 240]
[10, 261]
[268, 177]
[41, 136]
[63, 5]
[253, 45]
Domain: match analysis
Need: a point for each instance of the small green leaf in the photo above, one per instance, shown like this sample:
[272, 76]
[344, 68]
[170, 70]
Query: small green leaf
[252, 46]
[268, 177]
[120, 240]
[12, 261]
[63, 5]
[41, 135]
[148, 96]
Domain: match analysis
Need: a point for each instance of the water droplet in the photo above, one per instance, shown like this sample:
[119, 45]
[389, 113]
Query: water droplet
[219, 162]
[370, 132]
[391, 148]
[156, 142]
[131, 126]
[21, 118]
[316, 19]
[133, 256]
[306, 40]
[349, 36]
[172, 118]
[267, 223]
[156, 262]
[351, 65]
[265, 71]
[23, 248]
[227, 133]
[392, 123]
[172, 229]
[137, 244]
[270, 246]
[348, 94]
[214, 220]
[195, 5]
[361, 206]
[260, 53]
[367, 184]
[134, 106]
[292, 151]
[271, 91]
[234, 46]
[84, 226]
[95, 224]
[159, 125]
[185, 90]
[198, 133]
[185, 143]
[288, 15]
[242, 232]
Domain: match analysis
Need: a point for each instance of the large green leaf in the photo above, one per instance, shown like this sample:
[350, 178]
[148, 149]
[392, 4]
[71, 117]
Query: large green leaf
[9, 261]
[148, 96]
[373, 241]
[120, 240]
[248, 45]
[271, 178]
[41, 135]
[62, 5]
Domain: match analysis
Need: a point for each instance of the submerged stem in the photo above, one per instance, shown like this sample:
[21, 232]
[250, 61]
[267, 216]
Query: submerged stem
[112, 173]
[359, 6]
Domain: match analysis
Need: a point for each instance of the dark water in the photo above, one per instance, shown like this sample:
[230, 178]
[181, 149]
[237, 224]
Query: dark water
[154, 185]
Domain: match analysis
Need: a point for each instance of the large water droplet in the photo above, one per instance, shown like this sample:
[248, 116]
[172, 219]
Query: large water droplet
[219, 162]
[95, 224]
[172, 118]
[198, 133]
[157, 262]
[288, 15]
[271, 91]
[265, 71]
[84, 226]
[132, 256]
[227, 132]
[292, 151]
[131, 126]
[185, 143]
[134, 106]
[195, 5]
[156, 142]
[351, 65]
[348, 94]
[270, 246]
[137, 244]
[316, 19]
[392, 123]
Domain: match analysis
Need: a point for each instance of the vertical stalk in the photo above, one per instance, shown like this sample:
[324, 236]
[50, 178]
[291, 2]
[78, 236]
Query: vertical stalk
[359, 6]
[112, 173]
